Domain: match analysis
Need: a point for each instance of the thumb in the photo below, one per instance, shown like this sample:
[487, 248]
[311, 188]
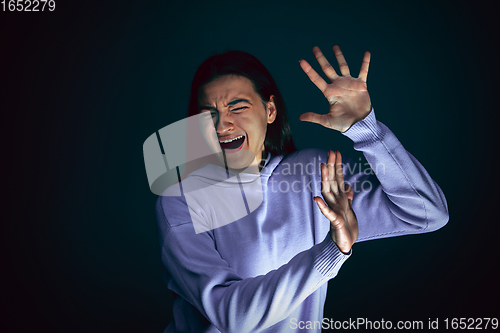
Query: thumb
[314, 118]
[325, 210]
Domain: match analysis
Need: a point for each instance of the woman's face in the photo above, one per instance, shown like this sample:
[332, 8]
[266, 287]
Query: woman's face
[239, 117]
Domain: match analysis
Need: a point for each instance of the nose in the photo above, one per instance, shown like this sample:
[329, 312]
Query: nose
[224, 123]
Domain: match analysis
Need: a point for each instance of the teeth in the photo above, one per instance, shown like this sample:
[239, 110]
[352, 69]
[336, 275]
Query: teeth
[231, 140]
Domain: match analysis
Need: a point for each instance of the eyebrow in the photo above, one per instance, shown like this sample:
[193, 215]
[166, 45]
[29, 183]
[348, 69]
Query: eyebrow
[236, 101]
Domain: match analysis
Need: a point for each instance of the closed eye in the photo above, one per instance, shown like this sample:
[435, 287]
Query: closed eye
[239, 109]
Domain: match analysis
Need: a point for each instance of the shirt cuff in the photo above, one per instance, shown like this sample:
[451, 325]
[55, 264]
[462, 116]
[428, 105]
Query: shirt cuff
[365, 131]
[328, 258]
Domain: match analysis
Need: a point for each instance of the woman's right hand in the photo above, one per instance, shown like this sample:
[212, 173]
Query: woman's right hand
[338, 206]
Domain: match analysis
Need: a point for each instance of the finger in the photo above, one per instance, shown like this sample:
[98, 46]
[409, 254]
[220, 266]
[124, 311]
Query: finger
[344, 69]
[331, 172]
[312, 117]
[363, 72]
[339, 174]
[331, 157]
[325, 210]
[348, 191]
[313, 75]
[325, 185]
[353, 222]
[325, 65]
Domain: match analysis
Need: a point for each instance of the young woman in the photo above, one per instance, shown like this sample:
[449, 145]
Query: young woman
[250, 239]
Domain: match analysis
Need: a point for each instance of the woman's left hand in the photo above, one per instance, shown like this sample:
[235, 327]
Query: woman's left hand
[348, 96]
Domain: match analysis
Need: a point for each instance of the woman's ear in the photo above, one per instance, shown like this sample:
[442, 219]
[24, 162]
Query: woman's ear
[271, 110]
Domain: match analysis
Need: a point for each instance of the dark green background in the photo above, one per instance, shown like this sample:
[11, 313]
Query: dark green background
[84, 86]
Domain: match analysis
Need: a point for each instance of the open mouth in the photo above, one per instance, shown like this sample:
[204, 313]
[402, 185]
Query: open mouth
[233, 144]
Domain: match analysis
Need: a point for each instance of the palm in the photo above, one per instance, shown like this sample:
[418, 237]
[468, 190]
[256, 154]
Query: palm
[348, 96]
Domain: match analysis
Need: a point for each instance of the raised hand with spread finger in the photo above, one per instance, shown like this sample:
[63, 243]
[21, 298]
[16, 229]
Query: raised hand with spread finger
[348, 96]
[338, 206]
